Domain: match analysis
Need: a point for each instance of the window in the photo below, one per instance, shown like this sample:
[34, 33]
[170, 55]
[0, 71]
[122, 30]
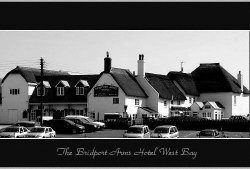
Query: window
[92, 115]
[209, 114]
[235, 100]
[194, 99]
[190, 100]
[204, 114]
[60, 91]
[165, 103]
[134, 116]
[172, 102]
[79, 90]
[14, 91]
[178, 102]
[115, 100]
[207, 106]
[39, 91]
[33, 115]
[137, 102]
[144, 115]
[81, 112]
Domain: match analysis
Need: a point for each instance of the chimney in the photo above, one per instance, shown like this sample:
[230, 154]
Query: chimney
[240, 80]
[141, 68]
[107, 63]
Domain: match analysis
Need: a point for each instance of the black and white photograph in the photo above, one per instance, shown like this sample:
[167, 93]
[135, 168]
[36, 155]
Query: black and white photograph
[124, 84]
[124, 98]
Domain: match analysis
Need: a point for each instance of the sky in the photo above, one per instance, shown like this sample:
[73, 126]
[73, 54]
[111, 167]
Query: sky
[83, 51]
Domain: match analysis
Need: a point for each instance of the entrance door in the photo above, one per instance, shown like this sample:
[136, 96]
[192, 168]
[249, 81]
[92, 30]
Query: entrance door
[13, 118]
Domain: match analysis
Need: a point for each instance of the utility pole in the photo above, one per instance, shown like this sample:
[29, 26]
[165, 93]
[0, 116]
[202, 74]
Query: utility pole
[41, 90]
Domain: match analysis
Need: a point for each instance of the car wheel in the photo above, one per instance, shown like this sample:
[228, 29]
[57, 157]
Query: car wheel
[74, 131]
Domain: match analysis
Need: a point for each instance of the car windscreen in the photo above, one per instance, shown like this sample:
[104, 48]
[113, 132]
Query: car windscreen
[161, 130]
[89, 120]
[206, 133]
[134, 130]
[37, 130]
[11, 130]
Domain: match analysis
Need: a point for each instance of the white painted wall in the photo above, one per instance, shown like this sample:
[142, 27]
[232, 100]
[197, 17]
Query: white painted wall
[132, 108]
[242, 104]
[226, 99]
[164, 111]
[153, 95]
[105, 104]
[14, 102]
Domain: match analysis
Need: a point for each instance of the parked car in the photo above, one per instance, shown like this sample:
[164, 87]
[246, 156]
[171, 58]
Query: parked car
[210, 133]
[166, 131]
[137, 131]
[64, 126]
[41, 132]
[239, 117]
[87, 122]
[13, 132]
[27, 124]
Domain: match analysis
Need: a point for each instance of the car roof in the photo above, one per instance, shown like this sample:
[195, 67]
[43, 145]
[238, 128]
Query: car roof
[32, 122]
[167, 126]
[139, 126]
[209, 130]
[76, 116]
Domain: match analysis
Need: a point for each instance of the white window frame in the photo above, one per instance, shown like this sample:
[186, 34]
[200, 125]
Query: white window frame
[165, 103]
[81, 90]
[14, 91]
[77, 90]
[115, 100]
[190, 100]
[38, 89]
[60, 91]
[137, 102]
[33, 115]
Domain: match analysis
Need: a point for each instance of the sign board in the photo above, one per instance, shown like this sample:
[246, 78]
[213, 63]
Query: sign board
[105, 91]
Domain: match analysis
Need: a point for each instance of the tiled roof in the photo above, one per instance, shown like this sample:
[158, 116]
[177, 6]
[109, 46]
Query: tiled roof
[164, 86]
[185, 81]
[200, 104]
[30, 74]
[212, 78]
[127, 82]
[216, 105]
[69, 93]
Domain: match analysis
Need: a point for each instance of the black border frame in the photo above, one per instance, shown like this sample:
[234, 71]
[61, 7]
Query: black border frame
[124, 16]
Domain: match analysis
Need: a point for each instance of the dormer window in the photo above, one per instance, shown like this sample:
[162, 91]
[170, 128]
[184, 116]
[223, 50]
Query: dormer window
[39, 91]
[60, 87]
[60, 91]
[45, 86]
[79, 90]
[80, 85]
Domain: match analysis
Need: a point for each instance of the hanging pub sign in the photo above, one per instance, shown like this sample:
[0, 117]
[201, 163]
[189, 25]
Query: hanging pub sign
[105, 91]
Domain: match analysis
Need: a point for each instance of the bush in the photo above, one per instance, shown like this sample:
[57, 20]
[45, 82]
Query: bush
[195, 123]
